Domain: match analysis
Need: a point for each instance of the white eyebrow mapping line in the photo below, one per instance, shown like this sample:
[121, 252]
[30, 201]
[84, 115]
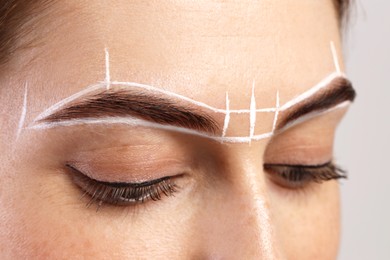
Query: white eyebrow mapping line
[107, 79]
[23, 113]
[252, 115]
[324, 83]
[313, 115]
[335, 57]
[227, 115]
[276, 115]
[99, 85]
[305, 95]
[133, 121]
[69, 99]
[198, 103]
[252, 111]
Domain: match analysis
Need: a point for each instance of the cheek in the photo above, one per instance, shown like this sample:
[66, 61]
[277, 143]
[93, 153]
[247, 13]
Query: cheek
[306, 222]
[44, 222]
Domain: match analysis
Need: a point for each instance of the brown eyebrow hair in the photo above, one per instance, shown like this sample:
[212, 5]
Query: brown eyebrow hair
[122, 103]
[164, 111]
[338, 91]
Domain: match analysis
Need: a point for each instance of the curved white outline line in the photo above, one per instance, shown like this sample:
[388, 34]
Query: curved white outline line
[101, 85]
[23, 113]
[322, 84]
[132, 121]
[251, 111]
[67, 100]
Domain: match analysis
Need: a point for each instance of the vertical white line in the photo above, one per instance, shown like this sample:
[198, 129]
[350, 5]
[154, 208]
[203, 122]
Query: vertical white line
[276, 111]
[23, 114]
[107, 80]
[335, 57]
[252, 116]
[227, 115]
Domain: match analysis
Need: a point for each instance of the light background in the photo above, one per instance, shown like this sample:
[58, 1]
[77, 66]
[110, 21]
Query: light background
[363, 142]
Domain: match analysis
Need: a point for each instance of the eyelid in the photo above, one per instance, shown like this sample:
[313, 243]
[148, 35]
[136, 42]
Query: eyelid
[128, 170]
[309, 166]
[120, 193]
[309, 143]
[123, 184]
[124, 159]
[299, 176]
[148, 179]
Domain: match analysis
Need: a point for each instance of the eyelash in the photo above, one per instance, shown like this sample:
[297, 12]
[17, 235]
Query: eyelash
[292, 177]
[299, 176]
[122, 193]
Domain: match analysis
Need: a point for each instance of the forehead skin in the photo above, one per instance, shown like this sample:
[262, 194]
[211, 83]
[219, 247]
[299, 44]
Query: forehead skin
[199, 49]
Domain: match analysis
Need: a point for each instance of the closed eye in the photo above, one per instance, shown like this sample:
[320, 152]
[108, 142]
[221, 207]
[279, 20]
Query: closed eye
[122, 193]
[300, 176]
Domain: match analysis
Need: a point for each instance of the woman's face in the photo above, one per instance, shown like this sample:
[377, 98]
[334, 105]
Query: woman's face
[212, 175]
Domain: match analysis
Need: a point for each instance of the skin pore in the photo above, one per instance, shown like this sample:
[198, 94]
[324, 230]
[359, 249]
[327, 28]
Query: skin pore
[225, 205]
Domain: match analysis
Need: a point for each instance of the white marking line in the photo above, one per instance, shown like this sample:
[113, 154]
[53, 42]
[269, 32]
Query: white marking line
[227, 115]
[98, 86]
[23, 114]
[252, 115]
[276, 112]
[322, 84]
[252, 111]
[335, 57]
[313, 115]
[143, 123]
[108, 77]
[172, 94]
[67, 100]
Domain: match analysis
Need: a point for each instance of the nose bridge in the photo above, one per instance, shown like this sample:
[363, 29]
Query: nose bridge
[256, 210]
[247, 229]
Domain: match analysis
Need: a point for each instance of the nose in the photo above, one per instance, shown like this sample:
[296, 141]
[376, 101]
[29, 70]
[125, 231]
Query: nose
[237, 219]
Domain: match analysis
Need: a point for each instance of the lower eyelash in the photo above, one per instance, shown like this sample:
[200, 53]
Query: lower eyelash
[298, 176]
[123, 194]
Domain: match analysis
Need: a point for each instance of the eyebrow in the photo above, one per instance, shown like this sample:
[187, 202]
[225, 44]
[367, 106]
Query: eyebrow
[125, 103]
[117, 105]
[338, 91]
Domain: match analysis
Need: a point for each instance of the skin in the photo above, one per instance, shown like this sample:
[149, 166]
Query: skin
[227, 206]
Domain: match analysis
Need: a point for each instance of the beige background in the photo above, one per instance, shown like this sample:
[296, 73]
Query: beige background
[363, 143]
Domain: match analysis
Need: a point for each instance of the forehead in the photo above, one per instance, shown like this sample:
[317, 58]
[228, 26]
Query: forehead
[199, 49]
